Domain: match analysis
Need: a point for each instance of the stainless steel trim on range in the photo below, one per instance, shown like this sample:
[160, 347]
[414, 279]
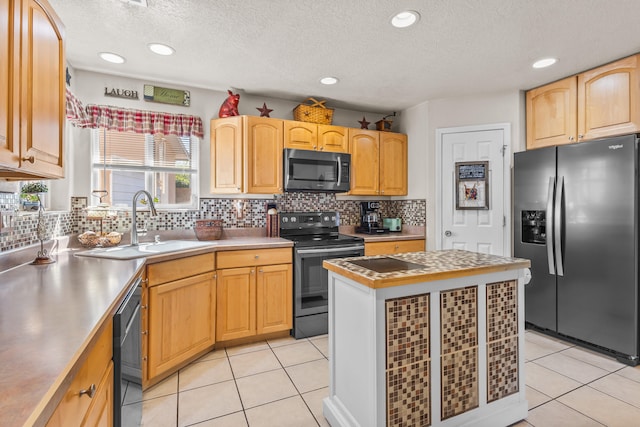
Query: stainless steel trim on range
[311, 287]
[320, 171]
[127, 360]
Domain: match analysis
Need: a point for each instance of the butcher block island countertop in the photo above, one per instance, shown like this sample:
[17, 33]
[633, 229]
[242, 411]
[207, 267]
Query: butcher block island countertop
[427, 339]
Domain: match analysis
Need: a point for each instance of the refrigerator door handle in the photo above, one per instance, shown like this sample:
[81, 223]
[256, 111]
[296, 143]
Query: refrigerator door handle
[557, 226]
[549, 226]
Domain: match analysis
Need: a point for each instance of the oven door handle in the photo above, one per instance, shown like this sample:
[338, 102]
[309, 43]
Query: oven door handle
[330, 250]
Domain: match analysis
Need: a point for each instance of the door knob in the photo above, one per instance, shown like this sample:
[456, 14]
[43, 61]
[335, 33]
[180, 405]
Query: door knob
[448, 233]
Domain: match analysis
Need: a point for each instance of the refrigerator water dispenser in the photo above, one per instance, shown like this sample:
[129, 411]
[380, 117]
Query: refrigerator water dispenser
[534, 227]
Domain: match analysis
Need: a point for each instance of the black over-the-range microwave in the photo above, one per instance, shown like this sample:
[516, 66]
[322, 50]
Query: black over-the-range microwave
[307, 170]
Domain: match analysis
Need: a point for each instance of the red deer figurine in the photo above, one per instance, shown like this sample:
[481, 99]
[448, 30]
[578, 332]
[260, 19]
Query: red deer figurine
[230, 105]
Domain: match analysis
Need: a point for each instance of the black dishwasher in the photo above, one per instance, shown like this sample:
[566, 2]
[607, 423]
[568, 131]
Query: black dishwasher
[127, 360]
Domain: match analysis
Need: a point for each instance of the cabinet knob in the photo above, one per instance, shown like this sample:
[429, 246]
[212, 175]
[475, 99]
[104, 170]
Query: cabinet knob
[29, 159]
[253, 271]
[89, 391]
[570, 138]
[260, 271]
[315, 146]
[144, 307]
[257, 256]
[580, 136]
[144, 332]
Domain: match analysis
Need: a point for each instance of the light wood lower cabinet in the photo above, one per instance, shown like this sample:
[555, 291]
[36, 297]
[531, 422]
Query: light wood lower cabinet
[393, 247]
[89, 399]
[180, 320]
[254, 293]
[236, 315]
[100, 412]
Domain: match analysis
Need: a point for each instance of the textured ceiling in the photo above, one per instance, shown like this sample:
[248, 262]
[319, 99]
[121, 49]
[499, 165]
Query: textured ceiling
[281, 48]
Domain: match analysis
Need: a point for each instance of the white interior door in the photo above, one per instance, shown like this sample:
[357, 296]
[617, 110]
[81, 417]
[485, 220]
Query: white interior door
[482, 230]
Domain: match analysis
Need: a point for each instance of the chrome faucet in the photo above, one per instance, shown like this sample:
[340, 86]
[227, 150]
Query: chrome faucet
[134, 226]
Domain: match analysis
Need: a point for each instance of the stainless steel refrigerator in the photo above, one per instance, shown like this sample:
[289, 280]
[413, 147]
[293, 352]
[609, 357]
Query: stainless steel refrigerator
[576, 219]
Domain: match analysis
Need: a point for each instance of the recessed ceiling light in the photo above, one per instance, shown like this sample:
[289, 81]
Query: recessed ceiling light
[329, 80]
[161, 49]
[405, 19]
[542, 63]
[111, 57]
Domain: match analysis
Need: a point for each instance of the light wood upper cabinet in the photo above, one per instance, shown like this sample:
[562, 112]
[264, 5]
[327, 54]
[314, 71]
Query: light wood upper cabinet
[311, 136]
[226, 155]
[333, 138]
[9, 151]
[33, 115]
[263, 151]
[393, 164]
[364, 146]
[300, 135]
[594, 104]
[609, 99]
[378, 163]
[246, 155]
[552, 114]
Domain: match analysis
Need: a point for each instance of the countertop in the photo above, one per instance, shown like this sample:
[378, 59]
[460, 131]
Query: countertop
[49, 316]
[435, 265]
[407, 233]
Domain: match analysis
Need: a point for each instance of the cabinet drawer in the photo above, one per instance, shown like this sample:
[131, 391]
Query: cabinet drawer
[233, 259]
[74, 406]
[393, 247]
[176, 269]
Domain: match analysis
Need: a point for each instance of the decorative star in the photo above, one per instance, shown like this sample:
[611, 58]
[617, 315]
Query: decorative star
[364, 124]
[68, 77]
[264, 111]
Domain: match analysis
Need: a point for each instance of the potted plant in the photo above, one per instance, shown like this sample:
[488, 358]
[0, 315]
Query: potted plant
[29, 193]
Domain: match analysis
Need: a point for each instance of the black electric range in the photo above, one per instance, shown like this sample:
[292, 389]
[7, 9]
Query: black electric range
[315, 238]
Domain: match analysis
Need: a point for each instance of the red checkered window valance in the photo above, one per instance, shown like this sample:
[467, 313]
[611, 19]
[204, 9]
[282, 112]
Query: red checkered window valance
[131, 120]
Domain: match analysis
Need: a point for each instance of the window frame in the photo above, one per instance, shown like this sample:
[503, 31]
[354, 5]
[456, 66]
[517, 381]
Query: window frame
[149, 170]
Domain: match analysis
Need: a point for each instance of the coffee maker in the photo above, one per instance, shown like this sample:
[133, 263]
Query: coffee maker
[370, 219]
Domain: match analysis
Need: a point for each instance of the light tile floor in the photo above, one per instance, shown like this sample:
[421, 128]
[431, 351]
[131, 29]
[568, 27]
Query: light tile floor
[282, 383]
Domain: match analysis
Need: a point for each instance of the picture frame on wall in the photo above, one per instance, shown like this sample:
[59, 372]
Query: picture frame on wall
[472, 185]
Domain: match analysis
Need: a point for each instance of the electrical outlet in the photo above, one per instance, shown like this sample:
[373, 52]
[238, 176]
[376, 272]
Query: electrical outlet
[6, 221]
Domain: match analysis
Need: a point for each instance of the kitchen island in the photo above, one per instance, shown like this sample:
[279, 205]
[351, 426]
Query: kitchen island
[426, 338]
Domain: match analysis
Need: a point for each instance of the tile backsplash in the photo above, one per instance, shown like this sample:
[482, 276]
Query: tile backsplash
[236, 213]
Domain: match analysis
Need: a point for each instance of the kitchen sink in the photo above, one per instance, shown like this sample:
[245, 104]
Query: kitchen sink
[145, 249]
[387, 265]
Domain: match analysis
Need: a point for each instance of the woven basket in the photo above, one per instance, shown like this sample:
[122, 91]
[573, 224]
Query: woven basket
[315, 112]
[208, 229]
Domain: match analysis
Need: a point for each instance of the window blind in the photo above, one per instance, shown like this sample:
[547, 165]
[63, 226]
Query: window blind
[144, 152]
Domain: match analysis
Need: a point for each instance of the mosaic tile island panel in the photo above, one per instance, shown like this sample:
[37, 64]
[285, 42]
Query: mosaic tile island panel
[408, 361]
